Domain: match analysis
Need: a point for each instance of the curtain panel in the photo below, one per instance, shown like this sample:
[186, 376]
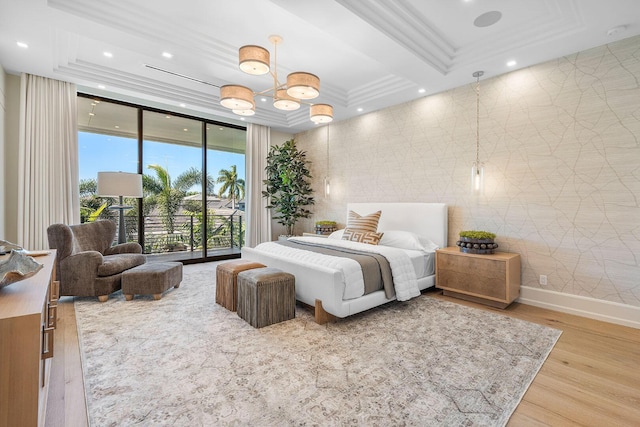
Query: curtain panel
[258, 216]
[48, 185]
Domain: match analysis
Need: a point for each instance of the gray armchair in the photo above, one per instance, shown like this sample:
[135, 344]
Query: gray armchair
[87, 264]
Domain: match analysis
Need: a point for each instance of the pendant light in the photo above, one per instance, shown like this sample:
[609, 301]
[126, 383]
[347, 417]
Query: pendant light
[326, 182]
[477, 170]
[299, 87]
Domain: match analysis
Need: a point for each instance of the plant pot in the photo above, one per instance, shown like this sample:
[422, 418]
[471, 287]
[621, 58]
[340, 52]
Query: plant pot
[325, 229]
[476, 246]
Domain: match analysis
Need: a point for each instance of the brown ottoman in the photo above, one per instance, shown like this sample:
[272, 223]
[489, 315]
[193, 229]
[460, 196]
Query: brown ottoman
[266, 296]
[227, 281]
[152, 278]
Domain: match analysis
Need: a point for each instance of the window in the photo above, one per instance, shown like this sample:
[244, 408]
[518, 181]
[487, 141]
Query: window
[173, 220]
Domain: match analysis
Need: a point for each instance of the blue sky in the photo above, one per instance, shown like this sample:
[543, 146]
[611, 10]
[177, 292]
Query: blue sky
[111, 153]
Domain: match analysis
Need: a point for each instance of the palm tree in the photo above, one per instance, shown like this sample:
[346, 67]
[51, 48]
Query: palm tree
[167, 195]
[232, 186]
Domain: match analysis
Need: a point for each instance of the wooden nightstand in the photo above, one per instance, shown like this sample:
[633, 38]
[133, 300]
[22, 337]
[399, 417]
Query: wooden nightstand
[489, 279]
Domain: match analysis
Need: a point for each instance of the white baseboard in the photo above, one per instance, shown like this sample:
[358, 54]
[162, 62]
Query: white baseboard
[592, 308]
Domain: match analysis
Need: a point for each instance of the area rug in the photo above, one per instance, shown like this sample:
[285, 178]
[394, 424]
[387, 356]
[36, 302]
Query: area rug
[186, 361]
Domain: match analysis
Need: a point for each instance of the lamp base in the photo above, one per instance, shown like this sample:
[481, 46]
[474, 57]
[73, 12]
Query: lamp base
[122, 234]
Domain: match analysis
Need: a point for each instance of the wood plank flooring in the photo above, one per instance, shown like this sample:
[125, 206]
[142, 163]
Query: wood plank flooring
[591, 378]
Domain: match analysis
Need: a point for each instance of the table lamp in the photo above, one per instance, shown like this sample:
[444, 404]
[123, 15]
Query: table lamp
[120, 184]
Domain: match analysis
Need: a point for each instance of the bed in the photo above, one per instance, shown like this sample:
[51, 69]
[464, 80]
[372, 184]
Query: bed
[324, 285]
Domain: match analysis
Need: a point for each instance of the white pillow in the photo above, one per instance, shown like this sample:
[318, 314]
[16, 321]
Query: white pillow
[336, 234]
[407, 240]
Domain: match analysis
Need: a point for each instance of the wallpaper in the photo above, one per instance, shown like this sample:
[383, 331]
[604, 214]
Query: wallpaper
[561, 147]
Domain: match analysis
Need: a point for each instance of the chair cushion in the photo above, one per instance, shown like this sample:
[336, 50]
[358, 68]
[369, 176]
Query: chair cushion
[114, 264]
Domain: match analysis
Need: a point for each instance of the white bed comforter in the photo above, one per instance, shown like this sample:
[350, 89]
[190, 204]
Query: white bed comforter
[404, 276]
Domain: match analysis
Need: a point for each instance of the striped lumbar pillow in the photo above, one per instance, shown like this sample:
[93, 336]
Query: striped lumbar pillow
[359, 222]
[361, 236]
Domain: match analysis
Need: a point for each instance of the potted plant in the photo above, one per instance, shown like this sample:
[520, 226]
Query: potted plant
[325, 227]
[477, 242]
[287, 184]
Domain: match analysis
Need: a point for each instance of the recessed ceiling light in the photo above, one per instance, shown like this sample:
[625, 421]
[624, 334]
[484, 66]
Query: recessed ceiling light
[92, 114]
[421, 90]
[263, 99]
[511, 63]
[95, 100]
[359, 109]
[487, 19]
[167, 117]
[183, 105]
[242, 118]
[167, 55]
[220, 128]
[108, 54]
[102, 87]
[117, 127]
[185, 129]
[22, 45]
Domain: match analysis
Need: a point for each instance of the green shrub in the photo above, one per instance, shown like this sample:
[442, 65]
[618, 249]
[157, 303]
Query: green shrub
[480, 235]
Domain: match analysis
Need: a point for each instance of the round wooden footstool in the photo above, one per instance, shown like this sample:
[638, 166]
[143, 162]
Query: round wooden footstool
[152, 278]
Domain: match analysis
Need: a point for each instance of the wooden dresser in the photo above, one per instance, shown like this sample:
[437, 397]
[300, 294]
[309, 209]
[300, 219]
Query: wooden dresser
[28, 313]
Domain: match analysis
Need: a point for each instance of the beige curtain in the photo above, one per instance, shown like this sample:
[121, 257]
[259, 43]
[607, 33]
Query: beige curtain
[48, 187]
[258, 217]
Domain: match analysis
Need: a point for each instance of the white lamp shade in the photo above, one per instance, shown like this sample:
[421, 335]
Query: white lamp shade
[236, 97]
[115, 184]
[254, 60]
[285, 102]
[303, 85]
[321, 113]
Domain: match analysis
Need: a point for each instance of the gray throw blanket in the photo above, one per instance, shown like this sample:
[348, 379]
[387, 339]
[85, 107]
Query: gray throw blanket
[375, 268]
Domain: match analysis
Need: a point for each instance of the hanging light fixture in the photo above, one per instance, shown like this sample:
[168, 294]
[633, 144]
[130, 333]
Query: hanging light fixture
[477, 170]
[326, 182]
[255, 60]
[321, 113]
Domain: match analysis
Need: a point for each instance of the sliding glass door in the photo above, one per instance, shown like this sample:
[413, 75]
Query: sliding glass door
[193, 177]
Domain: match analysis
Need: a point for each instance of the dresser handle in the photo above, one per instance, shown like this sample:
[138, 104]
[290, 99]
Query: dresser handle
[47, 343]
[52, 316]
[54, 294]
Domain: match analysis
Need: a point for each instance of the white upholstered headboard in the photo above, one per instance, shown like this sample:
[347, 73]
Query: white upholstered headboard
[425, 219]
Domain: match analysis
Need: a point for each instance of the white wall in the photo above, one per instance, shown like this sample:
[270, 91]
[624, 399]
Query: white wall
[561, 142]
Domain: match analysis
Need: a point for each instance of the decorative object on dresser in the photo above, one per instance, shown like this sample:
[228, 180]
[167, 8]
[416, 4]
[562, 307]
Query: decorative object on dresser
[477, 242]
[87, 264]
[489, 279]
[17, 266]
[287, 184]
[28, 316]
[325, 227]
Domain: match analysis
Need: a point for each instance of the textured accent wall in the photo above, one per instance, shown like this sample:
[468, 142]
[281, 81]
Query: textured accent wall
[561, 146]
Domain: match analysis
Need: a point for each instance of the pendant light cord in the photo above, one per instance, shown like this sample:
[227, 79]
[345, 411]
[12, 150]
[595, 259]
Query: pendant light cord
[478, 119]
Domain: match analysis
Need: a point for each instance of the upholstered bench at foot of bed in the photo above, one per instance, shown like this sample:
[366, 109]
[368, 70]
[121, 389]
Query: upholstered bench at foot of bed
[266, 296]
[151, 279]
[227, 281]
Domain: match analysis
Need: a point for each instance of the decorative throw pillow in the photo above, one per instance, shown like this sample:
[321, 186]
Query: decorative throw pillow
[361, 236]
[369, 222]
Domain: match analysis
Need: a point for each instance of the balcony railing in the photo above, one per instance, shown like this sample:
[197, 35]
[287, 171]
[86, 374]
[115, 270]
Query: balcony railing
[223, 232]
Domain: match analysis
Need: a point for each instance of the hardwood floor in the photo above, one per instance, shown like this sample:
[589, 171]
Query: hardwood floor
[591, 378]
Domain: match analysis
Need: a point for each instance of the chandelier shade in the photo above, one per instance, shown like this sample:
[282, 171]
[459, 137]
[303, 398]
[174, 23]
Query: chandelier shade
[303, 85]
[236, 97]
[254, 60]
[321, 113]
[282, 101]
[247, 112]
[299, 87]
